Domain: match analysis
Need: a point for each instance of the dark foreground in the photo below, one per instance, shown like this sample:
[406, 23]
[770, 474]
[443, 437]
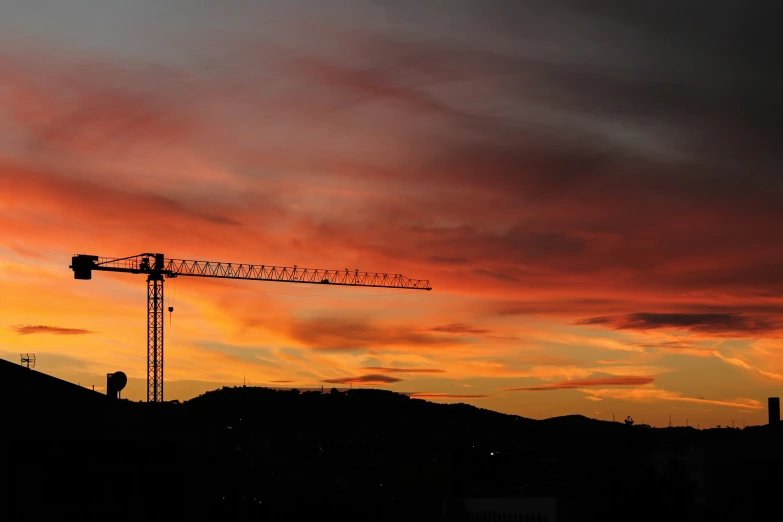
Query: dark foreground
[258, 454]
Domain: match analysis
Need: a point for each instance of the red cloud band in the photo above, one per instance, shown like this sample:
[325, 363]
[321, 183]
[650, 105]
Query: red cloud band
[585, 383]
[437, 395]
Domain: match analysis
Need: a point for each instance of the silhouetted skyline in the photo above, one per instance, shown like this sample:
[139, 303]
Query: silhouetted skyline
[251, 453]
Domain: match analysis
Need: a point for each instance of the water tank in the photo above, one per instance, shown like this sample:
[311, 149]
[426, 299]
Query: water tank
[115, 382]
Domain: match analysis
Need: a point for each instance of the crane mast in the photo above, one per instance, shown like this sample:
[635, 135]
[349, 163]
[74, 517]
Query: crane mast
[157, 267]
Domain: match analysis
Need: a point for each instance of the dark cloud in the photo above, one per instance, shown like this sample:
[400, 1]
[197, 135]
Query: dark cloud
[364, 379]
[719, 324]
[680, 109]
[403, 370]
[44, 329]
[362, 84]
[460, 328]
[555, 306]
[585, 383]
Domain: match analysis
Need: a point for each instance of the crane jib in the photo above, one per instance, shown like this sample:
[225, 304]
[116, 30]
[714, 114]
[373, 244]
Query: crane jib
[83, 265]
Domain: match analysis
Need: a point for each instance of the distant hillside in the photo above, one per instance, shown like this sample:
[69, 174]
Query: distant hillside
[250, 453]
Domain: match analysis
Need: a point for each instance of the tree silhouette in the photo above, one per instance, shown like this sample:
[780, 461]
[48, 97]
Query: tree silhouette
[629, 421]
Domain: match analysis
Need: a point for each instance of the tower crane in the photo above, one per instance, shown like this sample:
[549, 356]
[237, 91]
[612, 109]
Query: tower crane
[157, 267]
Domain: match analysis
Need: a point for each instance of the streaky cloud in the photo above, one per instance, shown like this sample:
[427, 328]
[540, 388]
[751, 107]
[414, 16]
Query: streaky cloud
[586, 383]
[437, 395]
[403, 370]
[725, 324]
[364, 379]
[46, 329]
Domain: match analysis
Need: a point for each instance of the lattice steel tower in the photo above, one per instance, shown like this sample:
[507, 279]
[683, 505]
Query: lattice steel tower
[155, 338]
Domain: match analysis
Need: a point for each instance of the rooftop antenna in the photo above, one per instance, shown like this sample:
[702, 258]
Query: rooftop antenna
[28, 359]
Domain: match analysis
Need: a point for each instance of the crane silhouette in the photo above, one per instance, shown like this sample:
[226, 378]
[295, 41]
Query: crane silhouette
[157, 267]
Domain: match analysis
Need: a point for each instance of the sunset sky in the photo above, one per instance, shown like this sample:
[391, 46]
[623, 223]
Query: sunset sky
[593, 190]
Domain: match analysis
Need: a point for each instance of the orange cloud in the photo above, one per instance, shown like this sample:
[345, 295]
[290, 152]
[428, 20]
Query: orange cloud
[403, 370]
[437, 395]
[460, 328]
[349, 334]
[650, 395]
[584, 383]
[742, 364]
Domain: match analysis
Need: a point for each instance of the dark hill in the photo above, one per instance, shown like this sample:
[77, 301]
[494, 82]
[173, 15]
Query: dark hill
[259, 454]
[34, 402]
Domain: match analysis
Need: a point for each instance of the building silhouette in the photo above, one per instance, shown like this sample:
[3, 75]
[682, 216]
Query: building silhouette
[252, 453]
[773, 406]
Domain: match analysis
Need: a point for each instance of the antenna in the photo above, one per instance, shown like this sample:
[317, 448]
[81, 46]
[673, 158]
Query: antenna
[27, 360]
